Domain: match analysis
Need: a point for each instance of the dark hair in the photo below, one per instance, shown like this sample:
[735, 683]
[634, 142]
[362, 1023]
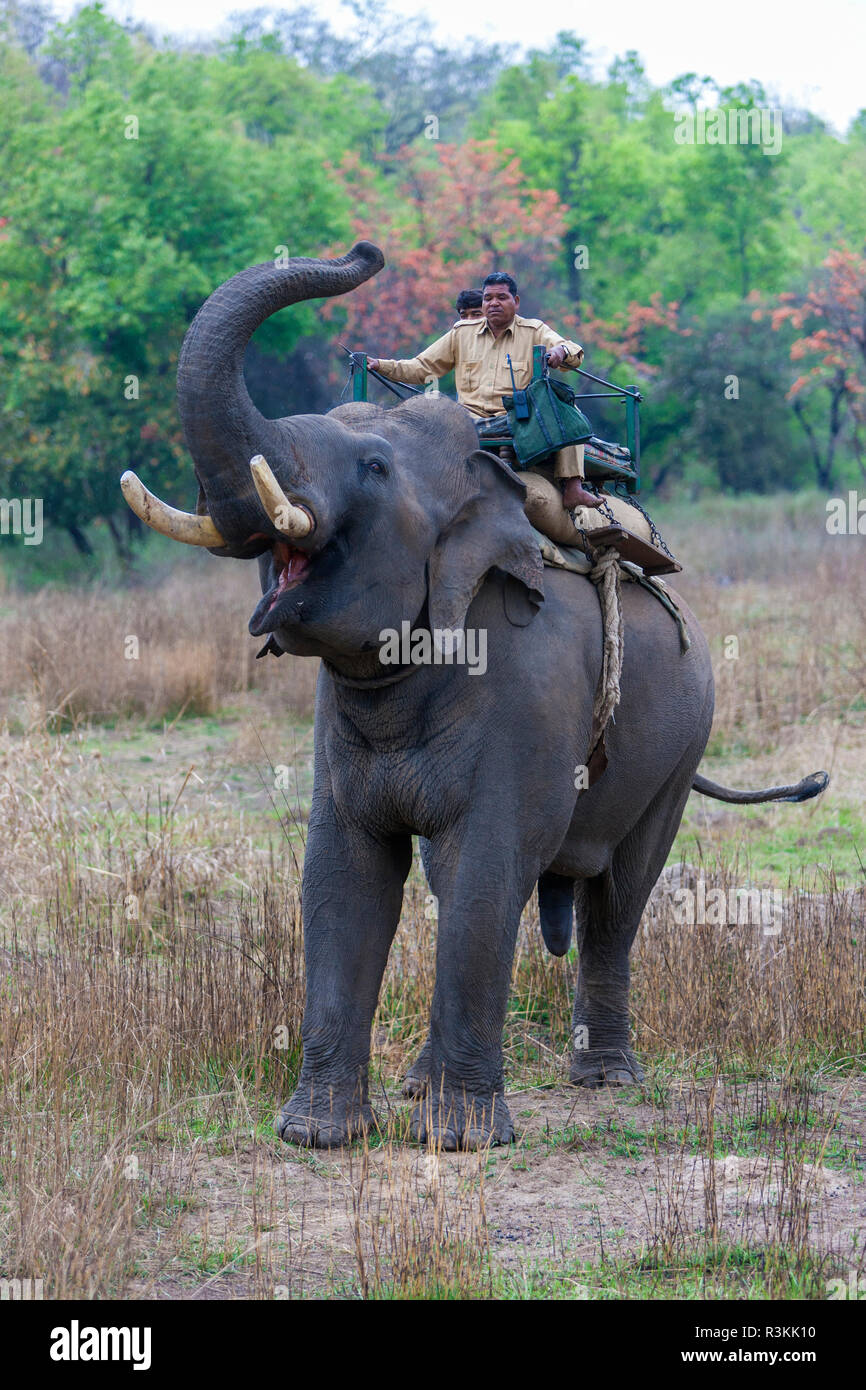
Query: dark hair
[468, 299]
[498, 277]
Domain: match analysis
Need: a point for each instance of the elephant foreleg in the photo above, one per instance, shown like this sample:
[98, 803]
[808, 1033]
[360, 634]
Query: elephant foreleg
[458, 1078]
[353, 889]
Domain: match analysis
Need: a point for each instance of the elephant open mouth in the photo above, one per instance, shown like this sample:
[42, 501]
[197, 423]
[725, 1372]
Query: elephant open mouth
[291, 567]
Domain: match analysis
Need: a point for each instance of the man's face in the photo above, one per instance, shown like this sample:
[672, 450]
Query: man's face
[499, 305]
[467, 314]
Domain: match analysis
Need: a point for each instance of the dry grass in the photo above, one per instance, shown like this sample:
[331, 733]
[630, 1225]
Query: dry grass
[751, 990]
[119, 1043]
[153, 981]
[180, 648]
[766, 573]
[136, 1051]
[763, 571]
[417, 1235]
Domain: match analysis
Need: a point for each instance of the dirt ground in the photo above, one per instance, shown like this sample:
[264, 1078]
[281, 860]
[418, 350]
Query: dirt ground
[591, 1176]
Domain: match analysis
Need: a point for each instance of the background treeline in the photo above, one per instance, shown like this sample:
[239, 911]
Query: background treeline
[136, 174]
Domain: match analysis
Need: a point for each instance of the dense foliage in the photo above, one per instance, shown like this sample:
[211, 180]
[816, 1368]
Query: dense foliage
[137, 174]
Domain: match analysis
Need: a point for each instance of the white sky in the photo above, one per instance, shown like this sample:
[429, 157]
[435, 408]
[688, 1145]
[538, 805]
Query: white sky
[805, 53]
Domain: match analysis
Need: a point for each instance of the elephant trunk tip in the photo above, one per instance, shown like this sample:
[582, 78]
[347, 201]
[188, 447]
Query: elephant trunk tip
[370, 255]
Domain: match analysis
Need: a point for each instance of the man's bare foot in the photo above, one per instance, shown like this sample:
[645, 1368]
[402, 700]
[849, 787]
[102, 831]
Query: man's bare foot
[574, 494]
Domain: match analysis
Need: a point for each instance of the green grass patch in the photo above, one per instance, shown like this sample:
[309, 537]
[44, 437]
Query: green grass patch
[705, 1273]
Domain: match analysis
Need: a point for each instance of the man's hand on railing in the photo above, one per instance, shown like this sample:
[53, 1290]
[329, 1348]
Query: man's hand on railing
[557, 356]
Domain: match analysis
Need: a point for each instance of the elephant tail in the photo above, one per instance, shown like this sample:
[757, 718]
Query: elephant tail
[810, 786]
[556, 910]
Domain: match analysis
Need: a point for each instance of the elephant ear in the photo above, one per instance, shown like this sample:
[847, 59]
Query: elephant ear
[490, 530]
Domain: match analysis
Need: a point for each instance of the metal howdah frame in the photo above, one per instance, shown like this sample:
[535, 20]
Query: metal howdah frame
[627, 475]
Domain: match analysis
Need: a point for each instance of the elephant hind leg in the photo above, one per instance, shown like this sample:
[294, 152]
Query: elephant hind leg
[601, 1052]
[608, 909]
[556, 911]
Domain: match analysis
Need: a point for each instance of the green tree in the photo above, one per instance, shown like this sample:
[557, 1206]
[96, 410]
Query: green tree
[730, 238]
[125, 203]
[412, 77]
[597, 146]
[724, 416]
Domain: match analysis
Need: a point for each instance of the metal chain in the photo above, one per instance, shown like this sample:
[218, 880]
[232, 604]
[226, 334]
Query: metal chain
[603, 508]
[605, 511]
[658, 538]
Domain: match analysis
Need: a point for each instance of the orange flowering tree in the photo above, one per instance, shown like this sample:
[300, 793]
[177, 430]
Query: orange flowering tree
[832, 351]
[630, 337]
[445, 218]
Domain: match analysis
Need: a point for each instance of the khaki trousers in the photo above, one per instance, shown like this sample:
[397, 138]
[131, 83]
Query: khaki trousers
[568, 463]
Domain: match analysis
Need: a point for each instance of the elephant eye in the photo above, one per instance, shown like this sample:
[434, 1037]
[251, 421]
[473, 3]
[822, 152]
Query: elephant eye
[377, 465]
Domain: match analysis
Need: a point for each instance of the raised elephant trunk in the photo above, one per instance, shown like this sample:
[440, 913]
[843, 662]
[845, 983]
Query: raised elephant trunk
[222, 427]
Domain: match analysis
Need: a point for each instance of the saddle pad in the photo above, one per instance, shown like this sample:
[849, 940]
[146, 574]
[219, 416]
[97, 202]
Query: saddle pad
[603, 449]
[569, 557]
[562, 557]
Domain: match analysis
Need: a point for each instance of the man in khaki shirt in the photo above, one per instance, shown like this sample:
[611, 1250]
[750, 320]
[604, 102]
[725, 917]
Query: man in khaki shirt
[477, 352]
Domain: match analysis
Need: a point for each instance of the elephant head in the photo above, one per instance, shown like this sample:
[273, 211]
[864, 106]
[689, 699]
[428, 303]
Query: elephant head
[360, 519]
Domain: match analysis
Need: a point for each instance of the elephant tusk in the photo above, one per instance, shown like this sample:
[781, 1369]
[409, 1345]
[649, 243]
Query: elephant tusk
[187, 527]
[291, 520]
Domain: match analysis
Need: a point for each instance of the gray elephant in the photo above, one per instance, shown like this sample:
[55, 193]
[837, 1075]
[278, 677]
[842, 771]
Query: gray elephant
[364, 519]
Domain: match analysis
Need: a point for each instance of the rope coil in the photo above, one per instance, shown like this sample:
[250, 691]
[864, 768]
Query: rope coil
[608, 571]
[605, 575]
